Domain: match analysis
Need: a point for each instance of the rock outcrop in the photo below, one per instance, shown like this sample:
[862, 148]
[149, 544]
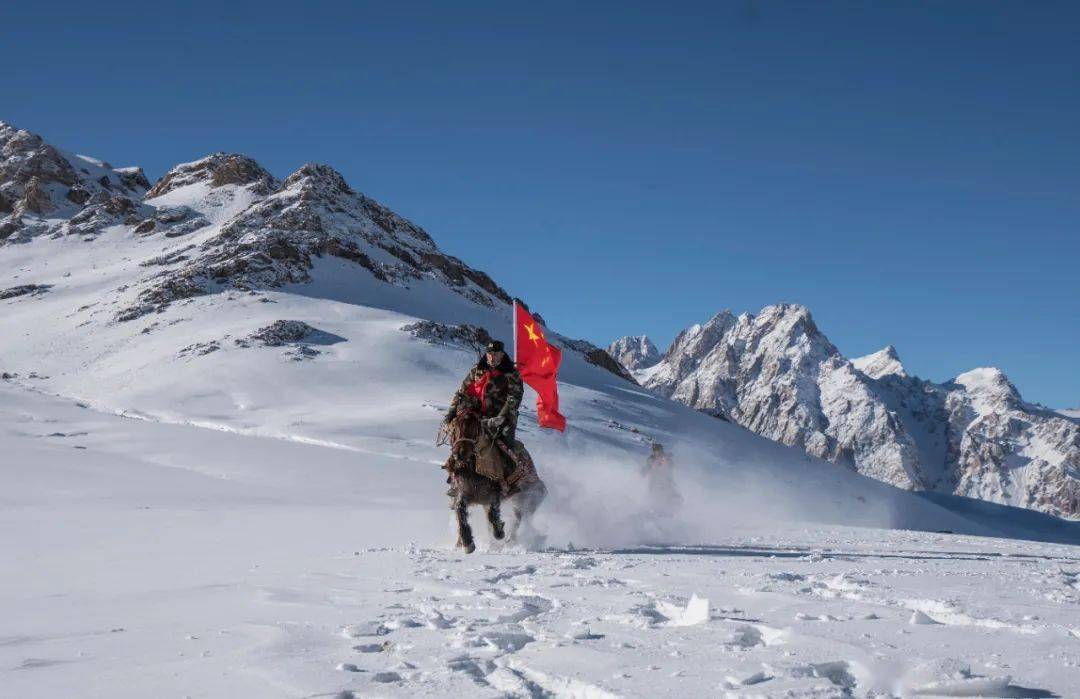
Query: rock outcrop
[216, 170]
[42, 186]
[313, 214]
[634, 353]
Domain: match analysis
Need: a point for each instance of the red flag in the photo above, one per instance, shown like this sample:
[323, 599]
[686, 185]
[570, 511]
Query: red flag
[538, 363]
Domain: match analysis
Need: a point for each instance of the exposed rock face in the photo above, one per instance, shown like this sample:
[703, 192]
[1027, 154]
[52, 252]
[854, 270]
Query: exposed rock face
[24, 290]
[464, 335]
[596, 356]
[979, 438]
[39, 182]
[282, 332]
[134, 178]
[314, 214]
[216, 170]
[248, 230]
[778, 375]
[289, 332]
[634, 352]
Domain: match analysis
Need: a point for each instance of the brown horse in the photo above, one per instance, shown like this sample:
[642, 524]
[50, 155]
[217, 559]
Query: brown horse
[513, 478]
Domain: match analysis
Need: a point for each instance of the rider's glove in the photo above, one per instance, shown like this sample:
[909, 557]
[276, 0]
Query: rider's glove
[494, 424]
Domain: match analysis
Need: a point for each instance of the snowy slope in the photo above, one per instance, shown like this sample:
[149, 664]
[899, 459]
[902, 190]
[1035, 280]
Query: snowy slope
[157, 323]
[176, 560]
[220, 479]
[164, 321]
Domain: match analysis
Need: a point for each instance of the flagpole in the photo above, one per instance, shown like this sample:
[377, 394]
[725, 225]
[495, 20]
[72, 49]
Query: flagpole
[515, 331]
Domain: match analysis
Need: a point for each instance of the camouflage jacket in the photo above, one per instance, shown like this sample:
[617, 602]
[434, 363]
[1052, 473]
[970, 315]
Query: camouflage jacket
[501, 394]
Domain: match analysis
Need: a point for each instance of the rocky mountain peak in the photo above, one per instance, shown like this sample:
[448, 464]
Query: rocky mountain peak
[319, 179]
[276, 239]
[989, 382]
[794, 311]
[28, 167]
[777, 375]
[216, 170]
[43, 187]
[698, 339]
[884, 362]
[134, 177]
[634, 353]
[315, 183]
[792, 319]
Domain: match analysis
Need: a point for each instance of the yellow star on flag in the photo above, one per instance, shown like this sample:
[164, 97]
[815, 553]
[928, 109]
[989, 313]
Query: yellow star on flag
[531, 329]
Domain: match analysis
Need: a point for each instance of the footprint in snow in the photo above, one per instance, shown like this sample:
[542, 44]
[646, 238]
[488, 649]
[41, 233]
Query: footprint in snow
[801, 616]
[786, 577]
[367, 628]
[580, 562]
[503, 641]
[745, 637]
[512, 573]
[733, 682]
[531, 606]
[839, 672]
[436, 621]
[472, 668]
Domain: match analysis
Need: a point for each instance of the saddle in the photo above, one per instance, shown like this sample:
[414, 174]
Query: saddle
[474, 449]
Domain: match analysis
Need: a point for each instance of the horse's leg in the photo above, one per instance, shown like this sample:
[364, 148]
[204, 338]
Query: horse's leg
[461, 509]
[515, 522]
[494, 519]
[526, 504]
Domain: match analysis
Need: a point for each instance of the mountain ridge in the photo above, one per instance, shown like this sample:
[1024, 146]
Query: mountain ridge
[778, 375]
[119, 294]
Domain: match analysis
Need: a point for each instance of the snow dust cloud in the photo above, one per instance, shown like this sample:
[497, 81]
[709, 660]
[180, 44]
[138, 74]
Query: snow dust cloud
[601, 498]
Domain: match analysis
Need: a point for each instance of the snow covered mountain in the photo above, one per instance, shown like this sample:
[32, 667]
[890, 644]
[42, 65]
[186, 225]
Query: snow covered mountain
[40, 183]
[217, 409]
[778, 375]
[222, 285]
[634, 353]
[881, 363]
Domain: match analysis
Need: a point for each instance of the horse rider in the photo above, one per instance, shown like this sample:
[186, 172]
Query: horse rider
[660, 477]
[493, 387]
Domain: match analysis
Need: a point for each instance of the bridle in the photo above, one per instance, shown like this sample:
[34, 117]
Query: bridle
[445, 432]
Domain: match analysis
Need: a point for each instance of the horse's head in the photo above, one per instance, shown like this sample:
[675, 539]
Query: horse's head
[464, 430]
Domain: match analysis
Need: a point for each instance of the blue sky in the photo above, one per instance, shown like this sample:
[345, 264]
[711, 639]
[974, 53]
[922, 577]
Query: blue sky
[908, 170]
